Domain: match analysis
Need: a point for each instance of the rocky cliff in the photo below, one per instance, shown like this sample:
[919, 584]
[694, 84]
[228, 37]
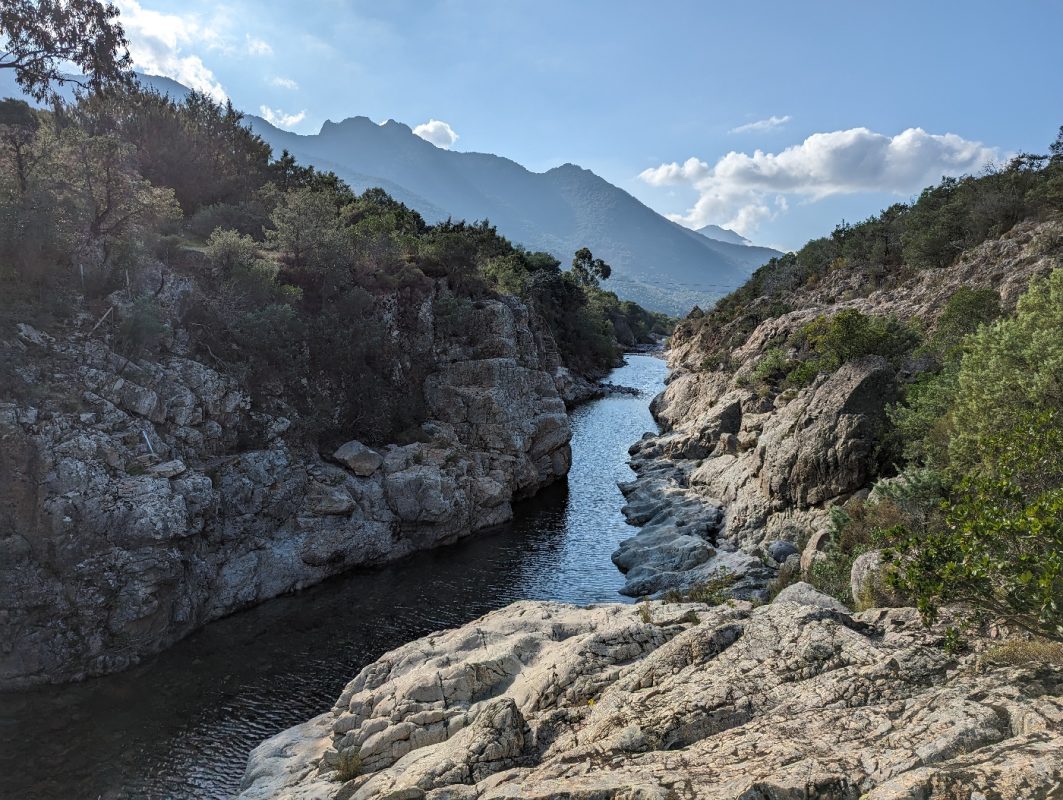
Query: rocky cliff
[745, 474]
[796, 699]
[141, 499]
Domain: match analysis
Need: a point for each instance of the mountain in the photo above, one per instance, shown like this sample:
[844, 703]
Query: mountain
[656, 262]
[723, 235]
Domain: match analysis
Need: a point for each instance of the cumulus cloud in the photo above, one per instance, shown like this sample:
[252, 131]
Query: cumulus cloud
[438, 133]
[284, 83]
[158, 41]
[762, 124]
[741, 191]
[279, 118]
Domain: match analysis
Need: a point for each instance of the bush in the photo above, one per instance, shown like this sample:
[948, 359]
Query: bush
[1011, 369]
[850, 334]
[999, 546]
[772, 366]
[271, 342]
[142, 329]
[229, 250]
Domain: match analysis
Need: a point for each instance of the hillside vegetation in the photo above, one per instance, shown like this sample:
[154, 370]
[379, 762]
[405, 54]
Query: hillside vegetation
[283, 269]
[968, 507]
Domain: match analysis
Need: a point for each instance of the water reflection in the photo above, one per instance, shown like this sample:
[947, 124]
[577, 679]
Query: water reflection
[181, 725]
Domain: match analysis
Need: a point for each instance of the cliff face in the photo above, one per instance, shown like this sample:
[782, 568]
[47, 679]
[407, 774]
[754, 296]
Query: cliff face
[796, 699]
[740, 475]
[142, 500]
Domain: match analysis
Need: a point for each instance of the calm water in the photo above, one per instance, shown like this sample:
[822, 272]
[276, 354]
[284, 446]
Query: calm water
[181, 725]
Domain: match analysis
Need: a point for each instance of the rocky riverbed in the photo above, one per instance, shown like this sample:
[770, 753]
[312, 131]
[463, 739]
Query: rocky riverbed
[798, 698]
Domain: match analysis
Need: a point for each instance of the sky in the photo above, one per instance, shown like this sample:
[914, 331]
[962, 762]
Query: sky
[776, 119]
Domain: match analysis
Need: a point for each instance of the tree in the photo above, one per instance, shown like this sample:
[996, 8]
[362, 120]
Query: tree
[589, 271]
[41, 36]
[306, 228]
[999, 546]
[18, 128]
[1011, 369]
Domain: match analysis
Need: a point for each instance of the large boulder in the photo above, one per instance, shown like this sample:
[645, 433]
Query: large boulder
[358, 458]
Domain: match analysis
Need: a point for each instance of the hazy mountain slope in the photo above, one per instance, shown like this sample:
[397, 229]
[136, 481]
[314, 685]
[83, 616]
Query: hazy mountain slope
[723, 235]
[656, 262]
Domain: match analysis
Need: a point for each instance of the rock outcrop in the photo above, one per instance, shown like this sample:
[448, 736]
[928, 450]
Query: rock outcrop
[799, 698]
[738, 467]
[140, 500]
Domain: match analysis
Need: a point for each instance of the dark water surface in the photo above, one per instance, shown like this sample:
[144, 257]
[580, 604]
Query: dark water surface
[181, 725]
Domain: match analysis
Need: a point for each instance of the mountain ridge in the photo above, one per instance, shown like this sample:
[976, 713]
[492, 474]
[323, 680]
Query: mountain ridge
[655, 261]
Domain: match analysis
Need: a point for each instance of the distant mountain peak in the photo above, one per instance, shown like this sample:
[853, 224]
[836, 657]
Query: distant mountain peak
[723, 235]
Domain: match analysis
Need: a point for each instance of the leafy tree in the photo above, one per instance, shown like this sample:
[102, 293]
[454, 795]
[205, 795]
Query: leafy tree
[201, 149]
[589, 271]
[1011, 369]
[114, 204]
[307, 231]
[18, 128]
[42, 36]
[999, 547]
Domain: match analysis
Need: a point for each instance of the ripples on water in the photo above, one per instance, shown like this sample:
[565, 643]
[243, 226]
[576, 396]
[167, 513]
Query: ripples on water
[181, 725]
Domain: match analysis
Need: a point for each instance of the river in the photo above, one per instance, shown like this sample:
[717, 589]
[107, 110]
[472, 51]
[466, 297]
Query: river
[180, 725]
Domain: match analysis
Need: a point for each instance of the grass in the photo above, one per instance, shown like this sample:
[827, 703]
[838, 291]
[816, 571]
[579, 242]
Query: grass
[1024, 653]
[713, 592]
[349, 764]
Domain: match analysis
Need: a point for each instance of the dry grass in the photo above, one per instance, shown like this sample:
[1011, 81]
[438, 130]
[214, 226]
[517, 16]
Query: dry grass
[1024, 653]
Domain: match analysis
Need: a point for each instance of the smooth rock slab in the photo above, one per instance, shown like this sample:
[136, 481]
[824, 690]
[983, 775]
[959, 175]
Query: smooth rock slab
[788, 700]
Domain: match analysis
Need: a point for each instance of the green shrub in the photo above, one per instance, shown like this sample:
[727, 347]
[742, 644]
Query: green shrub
[850, 334]
[142, 329]
[1011, 369]
[999, 546]
[772, 366]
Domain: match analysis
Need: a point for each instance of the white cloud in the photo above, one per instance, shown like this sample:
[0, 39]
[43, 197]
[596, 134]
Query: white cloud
[689, 171]
[740, 191]
[279, 118]
[284, 83]
[157, 43]
[438, 133]
[762, 124]
[258, 47]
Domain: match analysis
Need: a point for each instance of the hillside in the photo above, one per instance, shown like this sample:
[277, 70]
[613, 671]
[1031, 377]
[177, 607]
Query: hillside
[225, 376]
[656, 262]
[848, 552]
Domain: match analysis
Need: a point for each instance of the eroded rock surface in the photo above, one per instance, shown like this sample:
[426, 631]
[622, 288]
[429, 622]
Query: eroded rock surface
[140, 500]
[788, 700]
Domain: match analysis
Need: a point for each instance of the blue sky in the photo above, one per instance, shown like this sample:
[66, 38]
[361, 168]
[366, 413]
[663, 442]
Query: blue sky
[850, 97]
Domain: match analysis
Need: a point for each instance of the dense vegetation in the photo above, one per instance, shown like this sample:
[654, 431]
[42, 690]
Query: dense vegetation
[292, 282]
[970, 506]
